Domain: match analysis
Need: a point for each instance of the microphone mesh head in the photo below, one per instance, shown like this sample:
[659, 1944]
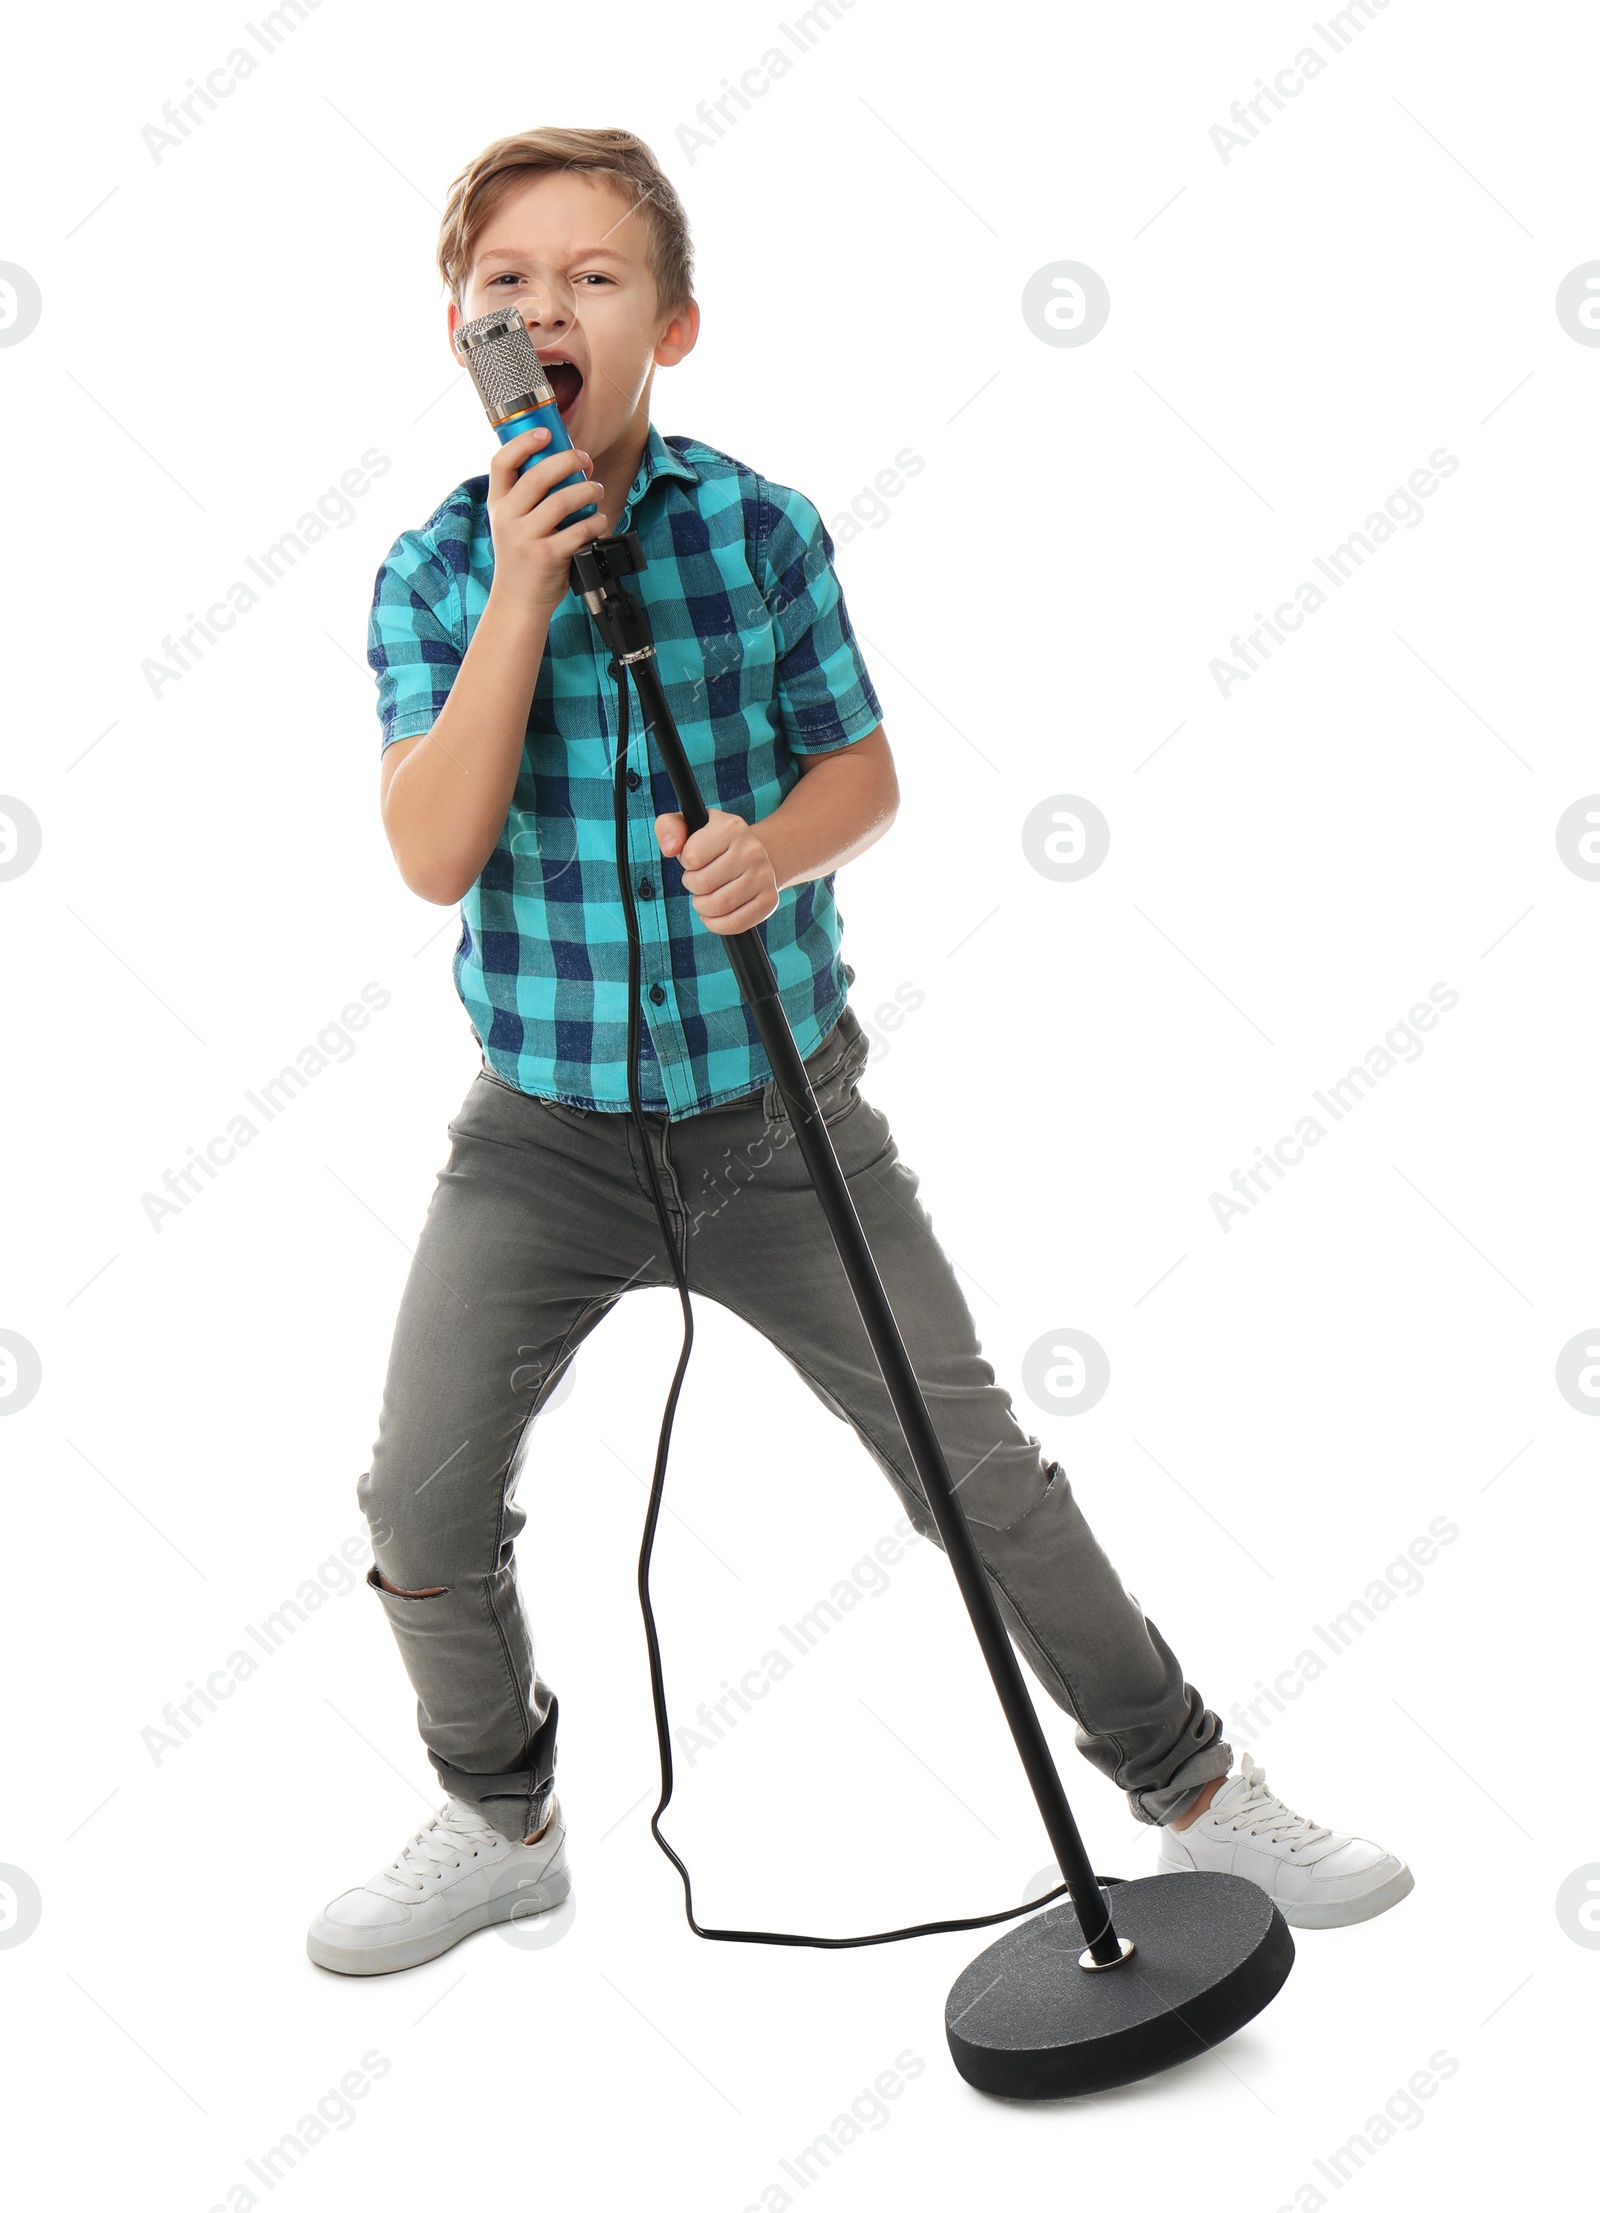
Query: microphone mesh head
[503, 365]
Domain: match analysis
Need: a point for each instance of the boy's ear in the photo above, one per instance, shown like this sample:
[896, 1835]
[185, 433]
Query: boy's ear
[678, 335]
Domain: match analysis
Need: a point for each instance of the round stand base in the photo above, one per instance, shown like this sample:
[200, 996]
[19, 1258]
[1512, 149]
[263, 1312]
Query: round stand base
[1026, 2021]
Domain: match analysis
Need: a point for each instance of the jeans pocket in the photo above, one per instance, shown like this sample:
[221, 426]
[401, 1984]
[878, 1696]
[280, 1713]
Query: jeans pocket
[576, 1118]
[842, 1089]
[833, 1072]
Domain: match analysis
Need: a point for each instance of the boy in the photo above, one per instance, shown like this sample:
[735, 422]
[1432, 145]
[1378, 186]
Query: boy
[497, 714]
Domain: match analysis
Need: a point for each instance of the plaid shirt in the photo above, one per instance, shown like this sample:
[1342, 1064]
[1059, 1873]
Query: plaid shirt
[759, 662]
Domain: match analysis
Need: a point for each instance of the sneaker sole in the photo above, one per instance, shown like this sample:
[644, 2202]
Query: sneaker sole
[388, 1959]
[1339, 1913]
[1336, 1913]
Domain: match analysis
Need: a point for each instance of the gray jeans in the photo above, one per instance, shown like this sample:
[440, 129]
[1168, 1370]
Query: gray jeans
[540, 1220]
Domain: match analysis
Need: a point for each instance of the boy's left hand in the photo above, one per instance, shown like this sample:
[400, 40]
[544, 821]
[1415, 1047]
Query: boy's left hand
[727, 870]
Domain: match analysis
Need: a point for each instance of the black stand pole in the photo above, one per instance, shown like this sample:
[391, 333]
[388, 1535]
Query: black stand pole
[597, 569]
[1036, 2040]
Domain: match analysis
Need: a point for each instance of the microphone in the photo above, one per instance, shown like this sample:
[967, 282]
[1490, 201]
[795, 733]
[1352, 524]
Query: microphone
[515, 391]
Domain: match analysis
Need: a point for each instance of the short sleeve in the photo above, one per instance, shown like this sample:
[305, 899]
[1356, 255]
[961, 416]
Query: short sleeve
[825, 697]
[414, 643]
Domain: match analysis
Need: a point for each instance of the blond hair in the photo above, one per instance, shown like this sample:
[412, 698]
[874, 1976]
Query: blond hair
[507, 163]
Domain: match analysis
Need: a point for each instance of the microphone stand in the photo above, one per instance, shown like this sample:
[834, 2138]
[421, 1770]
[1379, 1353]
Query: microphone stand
[598, 570]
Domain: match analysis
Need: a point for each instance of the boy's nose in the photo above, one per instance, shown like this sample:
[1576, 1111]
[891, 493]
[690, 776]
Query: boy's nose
[547, 302]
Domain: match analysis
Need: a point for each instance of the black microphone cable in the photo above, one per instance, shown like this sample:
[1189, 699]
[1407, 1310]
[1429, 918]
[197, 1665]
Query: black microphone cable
[653, 1510]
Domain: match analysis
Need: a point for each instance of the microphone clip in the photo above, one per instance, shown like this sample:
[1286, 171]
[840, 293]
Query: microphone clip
[597, 572]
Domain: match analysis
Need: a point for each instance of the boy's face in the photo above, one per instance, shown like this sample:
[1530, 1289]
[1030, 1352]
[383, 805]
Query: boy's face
[602, 321]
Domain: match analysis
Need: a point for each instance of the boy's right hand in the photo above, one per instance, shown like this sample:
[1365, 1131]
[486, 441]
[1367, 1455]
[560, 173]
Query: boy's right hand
[531, 554]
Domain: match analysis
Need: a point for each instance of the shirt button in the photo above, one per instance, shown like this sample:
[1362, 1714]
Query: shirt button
[647, 890]
[657, 994]
[634, 779]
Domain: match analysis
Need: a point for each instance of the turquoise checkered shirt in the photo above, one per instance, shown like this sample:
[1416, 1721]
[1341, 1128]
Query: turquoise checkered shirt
[759, 662]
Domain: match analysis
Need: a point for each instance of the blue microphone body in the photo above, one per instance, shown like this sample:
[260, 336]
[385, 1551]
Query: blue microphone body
[547, 417]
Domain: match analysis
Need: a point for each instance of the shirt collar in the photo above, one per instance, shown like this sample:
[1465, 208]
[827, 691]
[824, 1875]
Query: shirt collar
[658, 459]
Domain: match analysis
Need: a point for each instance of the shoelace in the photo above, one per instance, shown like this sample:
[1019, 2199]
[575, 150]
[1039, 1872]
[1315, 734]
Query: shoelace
[437, 1843]
[1265, 1814]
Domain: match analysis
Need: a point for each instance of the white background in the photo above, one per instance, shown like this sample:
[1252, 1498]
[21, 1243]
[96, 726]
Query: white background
[1292, 1401]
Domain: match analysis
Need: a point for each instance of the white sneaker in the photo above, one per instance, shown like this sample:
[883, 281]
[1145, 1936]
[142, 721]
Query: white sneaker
[455, 1875]
[1316, 1879]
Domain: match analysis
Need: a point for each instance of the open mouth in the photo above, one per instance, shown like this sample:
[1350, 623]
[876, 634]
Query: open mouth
[566, 381]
